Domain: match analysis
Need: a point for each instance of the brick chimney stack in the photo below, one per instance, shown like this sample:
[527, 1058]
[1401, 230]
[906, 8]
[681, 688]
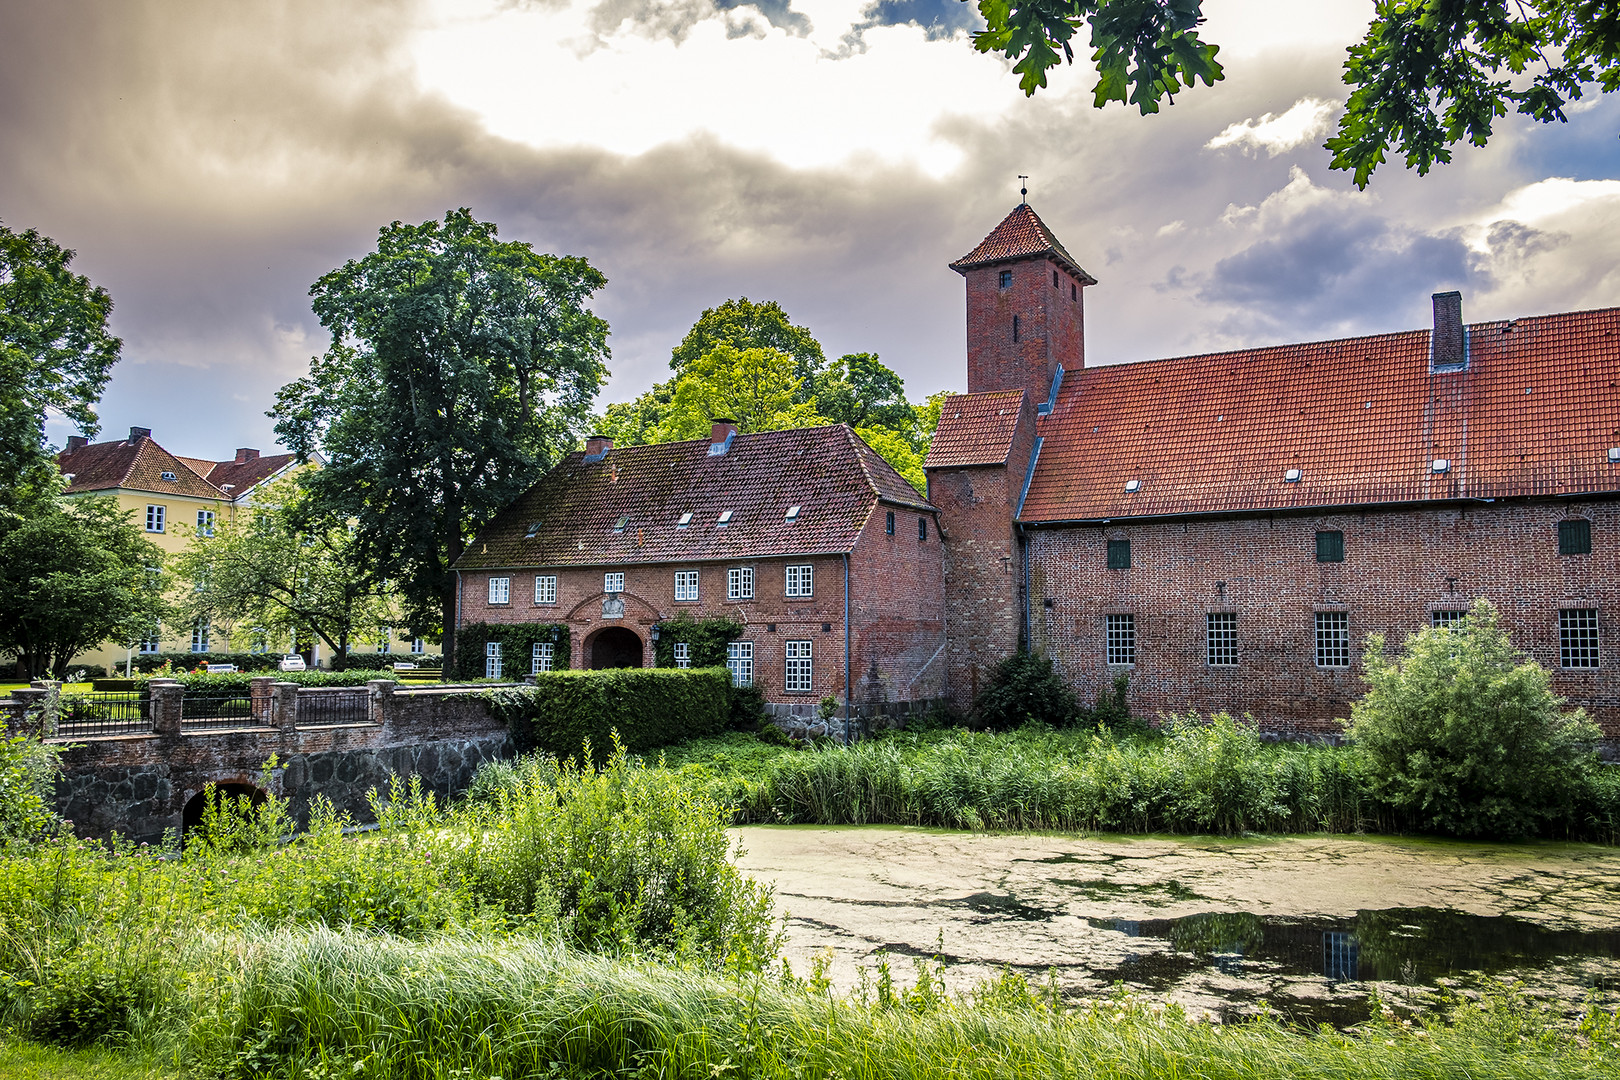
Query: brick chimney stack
[721, 431]
[245, 454]
[76, 442]
[136, 434]
[1448, 342]
[597, 446]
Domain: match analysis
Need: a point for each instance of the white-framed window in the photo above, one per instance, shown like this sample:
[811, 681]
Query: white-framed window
[151, 642]
[155, 516]
[205, 523]
[740, 662]
[1221, 642]
[385, 643]
[613, 582]
[492, 660]
[500, 590]
[544, 658]
[1332, 639]
[418, 646]
[1445, 620]
[686, 582]
[1121, 639]
[800, 581]
[545, 588]
[740, 583]
[683, 654]
[1578, 638]
[199, 636]
[798, 677]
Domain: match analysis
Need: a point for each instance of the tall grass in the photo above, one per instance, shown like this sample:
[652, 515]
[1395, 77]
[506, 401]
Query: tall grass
[325, 1003]
[1198, 776]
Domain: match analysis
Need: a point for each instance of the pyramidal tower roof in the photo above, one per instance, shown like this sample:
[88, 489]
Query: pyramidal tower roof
[1021, 235]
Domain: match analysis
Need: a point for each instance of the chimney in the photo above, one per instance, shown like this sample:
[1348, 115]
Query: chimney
[597, 447]
[721, 432]
[245, 454]
[1448, 342]
[76, 442]
[136, 434]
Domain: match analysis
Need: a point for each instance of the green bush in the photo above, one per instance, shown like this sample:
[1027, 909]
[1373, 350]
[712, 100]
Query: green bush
[1024, 689]
[1465, 734]
[707, 637]
[517, 642]
[28, 770]
[146, 663]
[239, 682]
[647, 707]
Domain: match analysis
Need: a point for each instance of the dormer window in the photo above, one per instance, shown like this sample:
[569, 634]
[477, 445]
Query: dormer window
[170, 476]
[618, 526]
[725, 519]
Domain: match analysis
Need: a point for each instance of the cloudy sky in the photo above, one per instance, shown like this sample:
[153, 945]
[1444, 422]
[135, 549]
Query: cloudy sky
[209, 161]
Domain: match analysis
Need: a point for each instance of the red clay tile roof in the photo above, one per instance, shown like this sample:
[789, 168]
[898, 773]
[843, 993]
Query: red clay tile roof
[975, 429]
[828, 472]
[243, 475]
[1362, 419]
[1021, 235]
[137, 466]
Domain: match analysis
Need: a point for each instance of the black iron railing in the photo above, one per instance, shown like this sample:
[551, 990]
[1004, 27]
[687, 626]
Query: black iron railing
[318, 705]
[218, 710]
[86, 715]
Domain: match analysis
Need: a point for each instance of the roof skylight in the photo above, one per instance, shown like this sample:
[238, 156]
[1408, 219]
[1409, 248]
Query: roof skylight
[686, 519]
[618, 526]
[725, 517]
[170, 476]
[1614, 453]
[532, 531]
[1293, 476]
[793, 513]
[1131, 486]
[1440, 465]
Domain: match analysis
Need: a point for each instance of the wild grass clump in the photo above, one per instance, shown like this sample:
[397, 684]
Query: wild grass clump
[328, 1003]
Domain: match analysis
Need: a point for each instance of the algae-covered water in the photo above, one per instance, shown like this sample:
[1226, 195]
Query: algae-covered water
[1309, 925]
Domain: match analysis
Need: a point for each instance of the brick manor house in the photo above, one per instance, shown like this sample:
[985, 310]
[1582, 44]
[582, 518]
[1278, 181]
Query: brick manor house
[1225, 528]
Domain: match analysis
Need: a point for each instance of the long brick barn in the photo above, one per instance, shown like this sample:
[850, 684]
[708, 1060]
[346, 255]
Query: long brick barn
[1224, 528]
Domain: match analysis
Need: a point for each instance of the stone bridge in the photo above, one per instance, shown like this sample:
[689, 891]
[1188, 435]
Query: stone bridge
[141, 772]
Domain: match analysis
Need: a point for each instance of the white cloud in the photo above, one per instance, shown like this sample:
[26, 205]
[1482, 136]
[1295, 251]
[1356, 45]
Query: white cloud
[1553, 197]
[1277, 134]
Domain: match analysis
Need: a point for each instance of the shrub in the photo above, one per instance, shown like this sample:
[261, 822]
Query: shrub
[647, 707]
[28, 771]
[1465, 733]
[1024, 689]
[707, 637]
[517, 642]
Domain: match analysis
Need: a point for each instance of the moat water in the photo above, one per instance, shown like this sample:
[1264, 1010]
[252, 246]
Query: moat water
[1307, 926]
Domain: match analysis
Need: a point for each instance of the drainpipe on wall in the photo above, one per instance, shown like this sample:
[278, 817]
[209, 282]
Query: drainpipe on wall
[846, 648]
[1028, 643]
[456, 635]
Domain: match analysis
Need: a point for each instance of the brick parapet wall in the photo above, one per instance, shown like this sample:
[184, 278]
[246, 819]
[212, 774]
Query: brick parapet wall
[1400, 565]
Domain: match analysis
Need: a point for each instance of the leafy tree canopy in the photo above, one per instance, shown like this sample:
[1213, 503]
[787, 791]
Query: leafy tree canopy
[55, 354]
[278, 572]
[73, 574]
[460, 367]
[744, 325]
[759, 388]
[859, 391]
[1465, 733]
[1428, 73]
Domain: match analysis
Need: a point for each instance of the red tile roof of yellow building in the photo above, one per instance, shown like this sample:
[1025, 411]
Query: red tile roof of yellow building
[135, 466]
[571, 517]
[975, 429]
[1021, 235]
[1363, 420]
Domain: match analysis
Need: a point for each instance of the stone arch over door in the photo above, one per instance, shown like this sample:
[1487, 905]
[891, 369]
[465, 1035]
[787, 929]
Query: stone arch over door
[614, 647]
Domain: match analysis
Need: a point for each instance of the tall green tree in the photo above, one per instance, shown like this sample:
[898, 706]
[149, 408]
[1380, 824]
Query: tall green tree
[860, 391]
[461, 365]
[1427, 75]
[743, 325]
[278, 571]
[75, 573]
[56, 354]
[758, 388]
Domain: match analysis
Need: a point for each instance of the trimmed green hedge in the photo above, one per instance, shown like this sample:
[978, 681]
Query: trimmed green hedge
[239, 681]
[517, 647]
[648, 707]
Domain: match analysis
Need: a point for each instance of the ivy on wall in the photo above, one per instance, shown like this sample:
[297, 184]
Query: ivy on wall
[708, 638]
[517, 647]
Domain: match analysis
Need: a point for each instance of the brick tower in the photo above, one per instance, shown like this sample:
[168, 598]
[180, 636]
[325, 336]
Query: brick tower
[1025, 326]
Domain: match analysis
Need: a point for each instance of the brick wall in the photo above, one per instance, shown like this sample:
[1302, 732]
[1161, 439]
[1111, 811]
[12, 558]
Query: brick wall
[1051, 327]
[982, 570]
[897, 610]
[1398, 567]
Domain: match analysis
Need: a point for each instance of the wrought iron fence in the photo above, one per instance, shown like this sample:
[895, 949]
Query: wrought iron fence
[218, 710]
[320, 705]
[86, 715]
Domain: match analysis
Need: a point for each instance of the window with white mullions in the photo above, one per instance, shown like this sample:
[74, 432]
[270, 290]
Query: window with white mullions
[205, 523]
[800, 581]
[492, 660]
[686, 585]
[1121, 639]
[500, 590]
[545, 588]
[740, 662]
[544, 657]
[199, 636]
[740, 583]
[155, 516]
[1221, 643]
[1578, 638]
[683, 654]
[1332, 639]
[613, 582]
[1446, 620]
[798, 677]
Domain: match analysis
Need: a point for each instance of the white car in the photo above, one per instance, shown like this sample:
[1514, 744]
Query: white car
[292, 662]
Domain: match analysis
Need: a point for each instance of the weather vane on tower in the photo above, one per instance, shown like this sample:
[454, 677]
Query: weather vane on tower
[1023, 189]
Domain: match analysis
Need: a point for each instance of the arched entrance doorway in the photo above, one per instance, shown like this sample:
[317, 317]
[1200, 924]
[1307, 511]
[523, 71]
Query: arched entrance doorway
[615, 647]
[192, 815]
